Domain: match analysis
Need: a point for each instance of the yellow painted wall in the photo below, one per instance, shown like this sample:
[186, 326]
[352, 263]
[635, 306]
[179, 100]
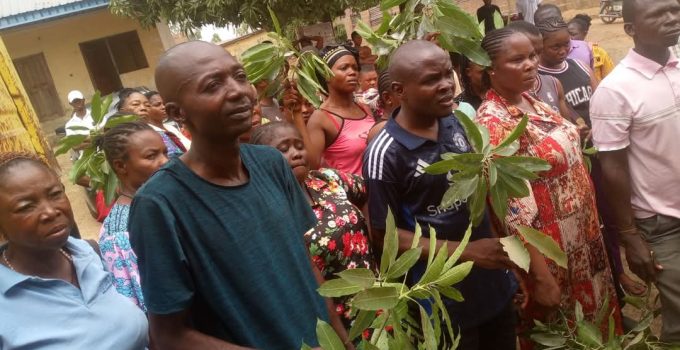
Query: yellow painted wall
[58, 40]
[237, 46]
[19, 126]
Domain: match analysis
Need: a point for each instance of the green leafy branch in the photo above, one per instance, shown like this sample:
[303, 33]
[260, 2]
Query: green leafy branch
[92, 162]
[381, 303]
[497, 173]
[266, 61]
[574, 332]
[458, 30]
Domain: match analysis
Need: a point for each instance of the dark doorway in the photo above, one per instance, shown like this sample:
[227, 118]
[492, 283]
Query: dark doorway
[103, 72]
[37, 80]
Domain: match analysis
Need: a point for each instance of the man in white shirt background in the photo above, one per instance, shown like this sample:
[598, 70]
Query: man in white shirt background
[81, 117]
[527, 8]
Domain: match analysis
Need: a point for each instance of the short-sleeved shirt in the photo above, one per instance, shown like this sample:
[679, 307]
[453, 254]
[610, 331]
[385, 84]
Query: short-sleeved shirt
[527, 8]
[233, 256]
[42, 313]
[637, 106]
[580, 51]
[394, 166]
[85, 122]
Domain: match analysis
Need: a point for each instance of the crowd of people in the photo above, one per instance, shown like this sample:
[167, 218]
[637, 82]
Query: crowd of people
[235, 203]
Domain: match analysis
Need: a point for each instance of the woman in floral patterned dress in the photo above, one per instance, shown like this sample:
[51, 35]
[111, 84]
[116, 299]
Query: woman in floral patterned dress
[561, 202]
[340, 239]
[134, 151]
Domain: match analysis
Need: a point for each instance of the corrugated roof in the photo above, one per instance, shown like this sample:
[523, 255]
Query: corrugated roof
[15, 13]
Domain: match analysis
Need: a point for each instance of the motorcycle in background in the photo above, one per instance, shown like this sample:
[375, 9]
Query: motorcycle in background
[610, 10]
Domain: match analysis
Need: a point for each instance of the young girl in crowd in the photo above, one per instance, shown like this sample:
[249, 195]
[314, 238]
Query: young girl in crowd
[561, 202]
[134, 151]
[55, 293]
[340, 239]
[338, 130]
[159, 119]
[577, 79]
[389, 101]
[602, 63]
[134, 102]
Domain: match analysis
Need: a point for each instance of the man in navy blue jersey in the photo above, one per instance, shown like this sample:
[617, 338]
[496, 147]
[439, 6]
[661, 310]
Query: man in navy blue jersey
[415, 136]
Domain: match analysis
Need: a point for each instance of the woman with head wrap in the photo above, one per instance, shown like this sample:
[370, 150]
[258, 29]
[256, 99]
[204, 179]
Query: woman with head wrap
[338, 130]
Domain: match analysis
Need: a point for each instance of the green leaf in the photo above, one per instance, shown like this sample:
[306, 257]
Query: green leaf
[515, 134]
[390, 243]
[115, 121]
[376, 298]
[459, 191]
[516, 251]
[493, 174]
[578, 311]
[545, 244]
[453, 259]
[416, 237]
[455, 274]
[361, 322]
[644, 324]
[590, 151]
[275, 21]
[433, 246]
[359, 277]
[111, 188]
[337, 288]
[106, 103]
[471, 130]
[404, 263]
[96, 108]
[78, 128]
[469, 48]
[328, 339]
[80, 165]
[388, 4]
[507, 151]
[588, 334]
[428, 331]
[434, 269]
[305, 347]
[477, 203]
[532, 164]
[451, 293]
[454, 161]
[259, 53]
[516, 188]
[465, 23]
[499, 201]
[550, 340]
[68, 142]
[498, 20]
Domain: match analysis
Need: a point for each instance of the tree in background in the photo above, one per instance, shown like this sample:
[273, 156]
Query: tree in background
[194, 14]
[216, 38]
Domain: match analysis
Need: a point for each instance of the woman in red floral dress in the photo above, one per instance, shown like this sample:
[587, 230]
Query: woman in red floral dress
[561, 202]
[340, 239]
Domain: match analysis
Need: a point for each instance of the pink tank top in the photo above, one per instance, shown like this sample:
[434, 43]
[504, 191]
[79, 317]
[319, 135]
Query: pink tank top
[347, 151]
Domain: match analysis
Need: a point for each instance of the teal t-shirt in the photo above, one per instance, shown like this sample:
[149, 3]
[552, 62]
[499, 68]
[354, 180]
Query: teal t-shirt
[234, 256]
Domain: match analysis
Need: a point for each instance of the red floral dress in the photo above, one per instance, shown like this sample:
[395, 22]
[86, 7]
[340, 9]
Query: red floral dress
[561, 203]
[340, 239]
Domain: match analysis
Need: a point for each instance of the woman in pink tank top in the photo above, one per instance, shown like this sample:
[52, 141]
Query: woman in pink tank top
[338, 130]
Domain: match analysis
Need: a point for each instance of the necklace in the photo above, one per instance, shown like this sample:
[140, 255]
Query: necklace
[4, 257]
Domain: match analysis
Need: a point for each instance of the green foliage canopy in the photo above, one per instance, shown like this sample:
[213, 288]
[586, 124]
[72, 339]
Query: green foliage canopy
[190, 14]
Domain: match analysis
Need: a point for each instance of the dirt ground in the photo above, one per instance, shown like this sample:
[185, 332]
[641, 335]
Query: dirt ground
[610, 36]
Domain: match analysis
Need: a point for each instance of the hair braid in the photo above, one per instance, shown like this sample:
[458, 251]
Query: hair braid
[116, 140]
[494, 43]
[551, 25]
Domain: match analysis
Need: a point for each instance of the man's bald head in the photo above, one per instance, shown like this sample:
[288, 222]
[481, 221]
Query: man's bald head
[181, 62]
[406, 59]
